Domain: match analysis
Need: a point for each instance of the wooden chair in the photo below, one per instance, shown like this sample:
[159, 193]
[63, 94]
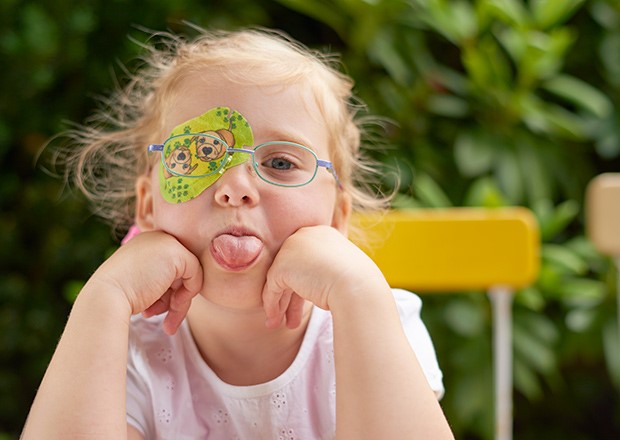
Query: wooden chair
[458, 249]
[603, 221]
[603, 213]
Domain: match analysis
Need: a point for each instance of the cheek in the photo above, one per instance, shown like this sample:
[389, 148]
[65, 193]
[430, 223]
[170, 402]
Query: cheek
[294, 208]
[173, 218]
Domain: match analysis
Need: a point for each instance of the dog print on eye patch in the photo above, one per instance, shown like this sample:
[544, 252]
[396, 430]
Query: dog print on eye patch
[180, 161]
[214, 147]
[194, 152]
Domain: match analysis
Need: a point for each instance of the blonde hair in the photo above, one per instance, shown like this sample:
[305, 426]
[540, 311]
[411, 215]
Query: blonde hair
[104, 157]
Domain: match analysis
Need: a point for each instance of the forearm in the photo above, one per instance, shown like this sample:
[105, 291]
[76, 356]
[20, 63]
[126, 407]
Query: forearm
[381, 391]
[83, 392]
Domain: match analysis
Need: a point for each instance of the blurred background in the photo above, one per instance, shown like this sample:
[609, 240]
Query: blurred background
[492, 102]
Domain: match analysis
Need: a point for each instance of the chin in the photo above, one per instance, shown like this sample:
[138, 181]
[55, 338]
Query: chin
[234, 290]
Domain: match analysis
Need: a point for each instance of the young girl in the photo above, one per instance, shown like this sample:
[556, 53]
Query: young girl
[240, 310]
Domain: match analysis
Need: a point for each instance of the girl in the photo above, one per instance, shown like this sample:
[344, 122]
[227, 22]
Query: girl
[241, 310]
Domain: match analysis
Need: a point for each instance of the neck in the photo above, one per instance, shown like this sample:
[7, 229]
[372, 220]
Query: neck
[238, 347]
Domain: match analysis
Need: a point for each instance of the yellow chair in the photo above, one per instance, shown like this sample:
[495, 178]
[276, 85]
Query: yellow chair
[457, 249]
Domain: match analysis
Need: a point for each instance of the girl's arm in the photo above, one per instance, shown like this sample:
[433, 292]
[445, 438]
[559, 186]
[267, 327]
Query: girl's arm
[381, 390]
[82, 394]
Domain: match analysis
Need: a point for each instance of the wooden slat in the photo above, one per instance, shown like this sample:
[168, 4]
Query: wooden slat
[603, 213]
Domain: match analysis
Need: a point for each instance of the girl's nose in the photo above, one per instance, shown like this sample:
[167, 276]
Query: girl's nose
[237, 186]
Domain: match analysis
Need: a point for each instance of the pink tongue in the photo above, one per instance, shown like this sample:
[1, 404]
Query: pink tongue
[236, 251]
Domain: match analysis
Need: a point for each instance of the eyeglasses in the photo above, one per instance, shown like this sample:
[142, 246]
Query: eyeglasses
[280, 163]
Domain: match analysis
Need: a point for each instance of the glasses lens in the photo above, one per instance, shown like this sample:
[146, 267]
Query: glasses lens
[285, 164]
[194, 155]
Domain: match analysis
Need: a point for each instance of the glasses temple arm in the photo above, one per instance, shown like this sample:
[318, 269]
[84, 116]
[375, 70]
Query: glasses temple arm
[155, 147]
[330, 167]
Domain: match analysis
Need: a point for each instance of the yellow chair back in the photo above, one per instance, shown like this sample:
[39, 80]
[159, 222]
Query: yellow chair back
[453, 249]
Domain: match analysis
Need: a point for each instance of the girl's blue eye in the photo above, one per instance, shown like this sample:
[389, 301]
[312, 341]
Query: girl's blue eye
[279, 164]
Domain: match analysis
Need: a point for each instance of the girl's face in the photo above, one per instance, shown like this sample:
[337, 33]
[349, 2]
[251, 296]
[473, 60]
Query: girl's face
[238, 224]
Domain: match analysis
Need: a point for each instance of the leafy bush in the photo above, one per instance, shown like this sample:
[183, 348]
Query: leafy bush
[494, 102]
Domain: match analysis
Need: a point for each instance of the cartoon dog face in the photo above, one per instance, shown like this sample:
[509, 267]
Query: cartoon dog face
[212, 148]
[180, 161]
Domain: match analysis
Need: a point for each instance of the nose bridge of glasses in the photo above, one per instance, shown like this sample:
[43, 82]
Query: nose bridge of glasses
[231, 150]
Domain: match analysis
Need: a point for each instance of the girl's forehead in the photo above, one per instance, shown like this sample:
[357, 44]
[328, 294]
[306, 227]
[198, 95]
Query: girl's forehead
[271, 110]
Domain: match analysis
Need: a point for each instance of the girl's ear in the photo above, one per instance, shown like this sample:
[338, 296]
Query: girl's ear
[144, 203]
[342, 213]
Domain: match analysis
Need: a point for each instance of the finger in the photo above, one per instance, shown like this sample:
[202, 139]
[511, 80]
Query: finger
[294, 311]
[158, 307]
[275, 308]
[277, 313]
[179, 305]
[285, 300]
[176, 314]
[185, 288]
[271, 305]
[192, 279]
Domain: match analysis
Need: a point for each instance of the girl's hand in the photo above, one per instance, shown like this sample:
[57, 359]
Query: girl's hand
[155, 273]
[318, 264]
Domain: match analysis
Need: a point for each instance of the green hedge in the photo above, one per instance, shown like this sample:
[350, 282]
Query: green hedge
[489, 103]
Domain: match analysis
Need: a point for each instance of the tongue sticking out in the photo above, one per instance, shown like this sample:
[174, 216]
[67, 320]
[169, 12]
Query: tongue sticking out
[236, 252]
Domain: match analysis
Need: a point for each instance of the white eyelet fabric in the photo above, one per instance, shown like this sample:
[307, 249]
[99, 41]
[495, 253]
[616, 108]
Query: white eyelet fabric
[173, 394]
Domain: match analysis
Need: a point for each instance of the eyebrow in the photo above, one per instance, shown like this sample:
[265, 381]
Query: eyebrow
[288, 136]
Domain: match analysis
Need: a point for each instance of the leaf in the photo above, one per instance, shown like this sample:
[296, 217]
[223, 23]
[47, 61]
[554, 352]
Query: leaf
[513, 41]
[474, 152]
[563, 258]
[580, 320]
[551, 13]
[430, 193]
[584, 247]
[403, 201]
[558, 219]
[321, 11]
[485, 192]
[463, 20]
[447, 105]
[532, 298]
[465, 318]
[531, 349]
[609, 50]
[525, 380]
[580, 93]
[383, 50]
[539, 325]
[582, 292]
[510, 11]
[611, 347]
[487, 65]
[509, 177]
[543, 56]
[551, 119]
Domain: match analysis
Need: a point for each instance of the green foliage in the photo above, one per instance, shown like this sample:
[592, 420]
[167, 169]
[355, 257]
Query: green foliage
[495, 103]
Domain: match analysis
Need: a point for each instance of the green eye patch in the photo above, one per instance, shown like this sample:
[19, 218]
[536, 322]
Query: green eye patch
[195, 154]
